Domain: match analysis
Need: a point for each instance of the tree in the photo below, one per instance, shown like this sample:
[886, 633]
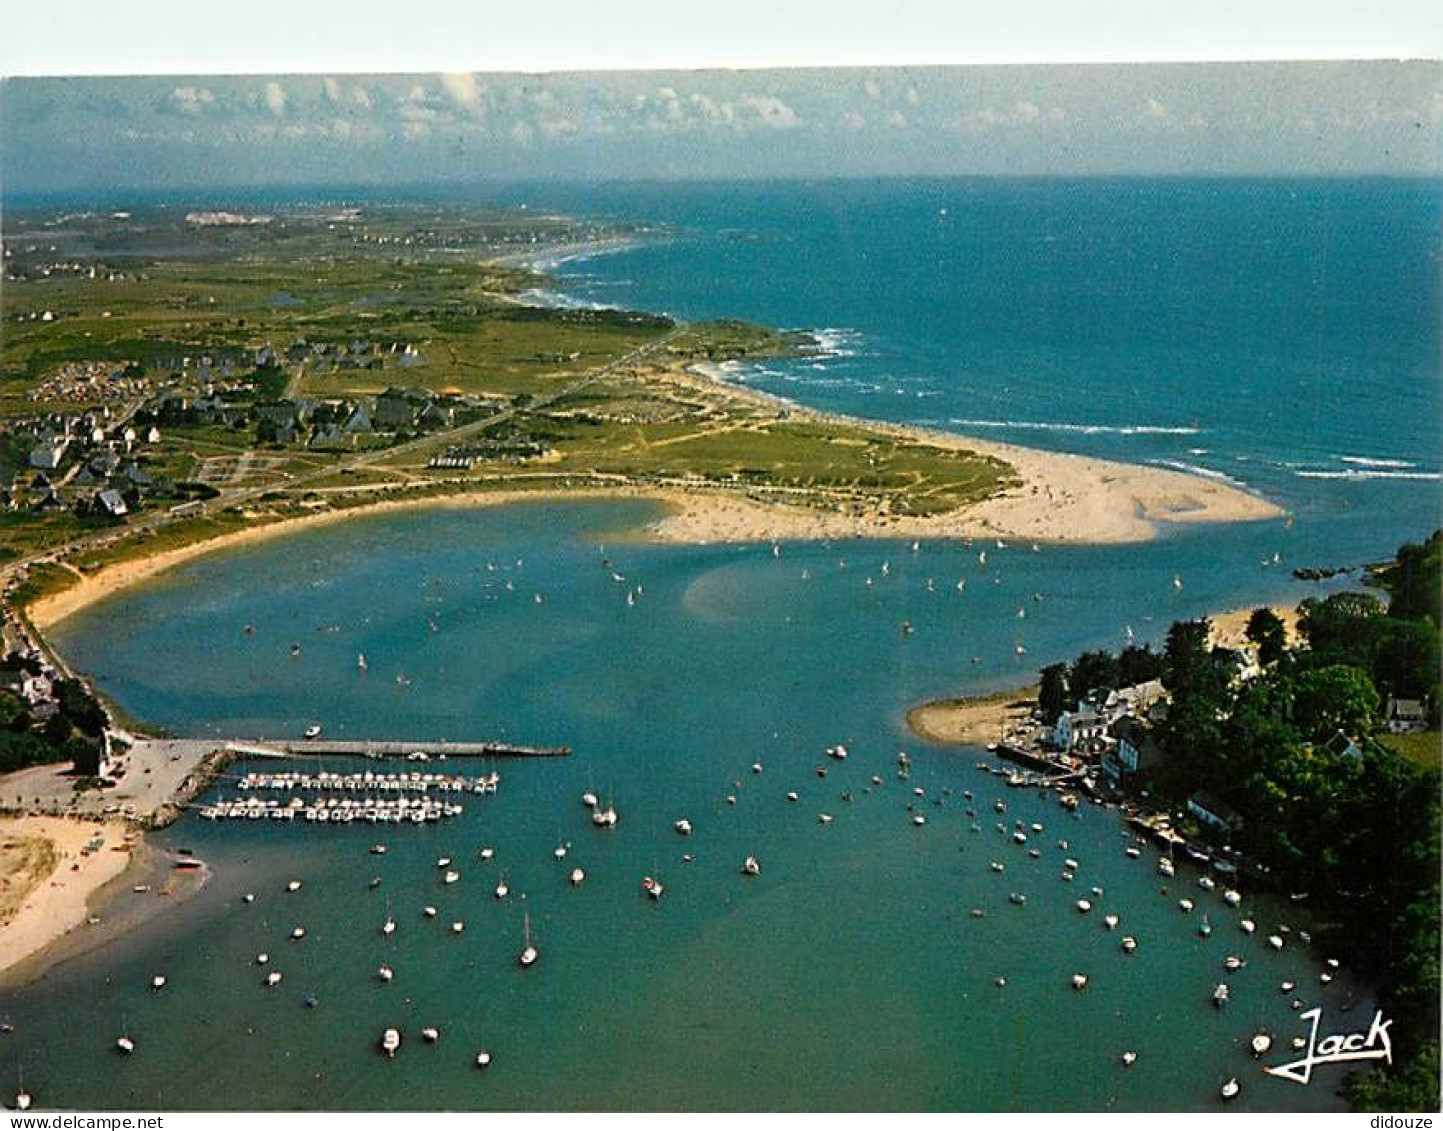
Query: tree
[1267, 631]
[1138, 665]
[1052, 692]
[1338, 697]
[1187, 664]
[1093, 671]
[1415, 582]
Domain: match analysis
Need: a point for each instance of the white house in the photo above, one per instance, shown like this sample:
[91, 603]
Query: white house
[1406, 716]
[1073, 727]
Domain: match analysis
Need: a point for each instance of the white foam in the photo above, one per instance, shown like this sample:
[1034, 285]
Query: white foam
[1370, 461]
[1083, 429]
[1361, 474]
[1194, 469]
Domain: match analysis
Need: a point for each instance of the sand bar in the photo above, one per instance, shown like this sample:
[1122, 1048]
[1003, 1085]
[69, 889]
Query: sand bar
[60, 900]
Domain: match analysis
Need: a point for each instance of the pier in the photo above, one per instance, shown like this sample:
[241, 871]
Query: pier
[395, 748]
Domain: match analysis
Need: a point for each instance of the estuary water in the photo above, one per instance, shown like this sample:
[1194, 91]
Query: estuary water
[852, 973]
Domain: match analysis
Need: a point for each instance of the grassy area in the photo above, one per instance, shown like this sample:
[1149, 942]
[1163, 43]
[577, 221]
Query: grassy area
[24, 862]
[1423, 749]
[547, 401]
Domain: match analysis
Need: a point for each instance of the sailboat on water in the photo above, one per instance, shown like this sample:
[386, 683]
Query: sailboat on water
[528, 954]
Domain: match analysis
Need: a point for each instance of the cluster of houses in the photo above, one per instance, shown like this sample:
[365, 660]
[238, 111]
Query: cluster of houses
[93, 382]
[91, 456]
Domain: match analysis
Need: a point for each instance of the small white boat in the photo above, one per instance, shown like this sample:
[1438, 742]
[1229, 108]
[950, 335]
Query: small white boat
[1204, 928]
[1129, 1058]
[430, 1035]
[919, 820]
[23, 1100]
[1129, 944]
[1261, 1043]
[443, 862]
[998, 866]
[158, 982]
[385, 973]
[298, 933]
[378, 850]
[839, 752]
[1287, 987]
[750, 867]
[313, 731]
[589, 800]
[428, 911]
[1084, 906]
[652, 886]
[683, 827]
[1018, 898]
[294, 885]
[1232, 963]
[791, 796]
[756, 767]
[1185, 905]
[1110, 922]
[1221, 995]
[125, 1045]
[502, 891]
[361, 661]
[483, 1059]
[1248, 926]
[487, 853]
[457, 927]
[577, 877]
[262, 958]
[1231, 1089]
[559, 852]
[528, 953]
[249, 897]
[1133, 851]
[1232, 898]
[273, 978]
[1275, 941]
[1325, 977]
[390, 1042]
[1079, 981]
[451, 877]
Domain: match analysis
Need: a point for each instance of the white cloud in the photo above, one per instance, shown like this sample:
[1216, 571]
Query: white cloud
[873, 89]
[276, 98]
[193, 99]
[913, 98]
[464, 88]
[522, 134]
[333, 90]
[1027, 111]
[772, 111]
[853, 121]
[1154, 110]
[897, 118]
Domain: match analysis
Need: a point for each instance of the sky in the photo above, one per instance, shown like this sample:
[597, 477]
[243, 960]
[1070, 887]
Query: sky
[1230, 119]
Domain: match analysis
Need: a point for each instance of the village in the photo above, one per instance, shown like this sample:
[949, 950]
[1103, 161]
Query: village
[106, 458]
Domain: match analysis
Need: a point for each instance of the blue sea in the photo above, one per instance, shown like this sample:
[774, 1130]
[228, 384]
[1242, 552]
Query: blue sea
[1282, 334]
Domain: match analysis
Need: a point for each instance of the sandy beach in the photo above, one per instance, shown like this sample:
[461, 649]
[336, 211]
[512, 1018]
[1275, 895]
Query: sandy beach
[1061, 499]
[59, 899]
[972, 722]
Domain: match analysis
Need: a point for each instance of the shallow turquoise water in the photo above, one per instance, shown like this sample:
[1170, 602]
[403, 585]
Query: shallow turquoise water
[849, 974]
[1284, 334]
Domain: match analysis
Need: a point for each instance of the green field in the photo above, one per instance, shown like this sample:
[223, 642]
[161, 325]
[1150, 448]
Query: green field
[533, 395]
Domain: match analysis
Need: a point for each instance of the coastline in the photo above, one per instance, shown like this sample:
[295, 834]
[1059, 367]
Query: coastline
[1061, 499]
[60, 900]
[969, 720]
